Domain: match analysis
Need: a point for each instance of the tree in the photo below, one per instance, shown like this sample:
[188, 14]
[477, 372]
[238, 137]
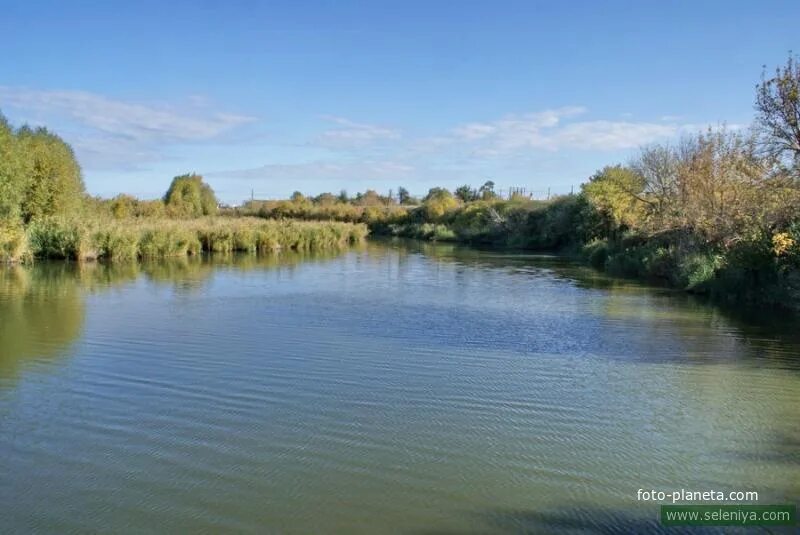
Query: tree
[778, 108]
[325, 199]
[343, 198]
[438, 202]
[466, 193]
[487, 191]
[402, 195]
[370, 198]
[54, 183]
[189, 196]
[123, 206]
[12, 172]
[617, 192]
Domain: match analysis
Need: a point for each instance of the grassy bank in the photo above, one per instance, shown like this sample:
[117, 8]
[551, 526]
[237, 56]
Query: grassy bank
[734, 236]
[128, 239]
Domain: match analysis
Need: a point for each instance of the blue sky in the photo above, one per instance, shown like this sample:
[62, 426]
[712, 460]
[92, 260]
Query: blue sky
[320, 96]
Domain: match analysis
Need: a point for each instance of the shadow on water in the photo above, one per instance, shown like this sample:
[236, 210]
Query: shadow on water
[763, 336]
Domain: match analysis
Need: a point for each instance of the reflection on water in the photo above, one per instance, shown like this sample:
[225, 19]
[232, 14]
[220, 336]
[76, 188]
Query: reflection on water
[399, 387]
[42, 306]
[41, 314]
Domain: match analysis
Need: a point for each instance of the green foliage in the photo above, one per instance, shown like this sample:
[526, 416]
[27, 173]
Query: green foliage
[13, 242]
[404, 197]
[189, 196]
[54, 185]
[596, 252]
[56, 237]
[616, 193]
[39, 175]
[437, 203]
[59, 237]
[486, 191]
[465, 193]
[699, 269]
[13, 173]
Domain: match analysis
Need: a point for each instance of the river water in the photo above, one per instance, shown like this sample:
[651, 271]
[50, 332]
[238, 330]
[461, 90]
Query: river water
[392, 388]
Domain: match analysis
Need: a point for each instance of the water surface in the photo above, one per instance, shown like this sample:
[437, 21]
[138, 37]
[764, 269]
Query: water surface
[396, 388]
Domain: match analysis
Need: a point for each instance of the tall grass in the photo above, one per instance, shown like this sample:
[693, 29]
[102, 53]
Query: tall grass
[13, 243]
[157, 238]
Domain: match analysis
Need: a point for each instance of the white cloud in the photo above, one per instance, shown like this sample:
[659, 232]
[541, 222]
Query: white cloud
[609, 135]
[552, 130]
[340, 173]
[109, 132]
[351, 134]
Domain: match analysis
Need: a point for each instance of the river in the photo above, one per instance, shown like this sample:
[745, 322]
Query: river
[392, 388]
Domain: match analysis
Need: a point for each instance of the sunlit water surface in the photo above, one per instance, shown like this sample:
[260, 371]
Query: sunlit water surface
[395, 388]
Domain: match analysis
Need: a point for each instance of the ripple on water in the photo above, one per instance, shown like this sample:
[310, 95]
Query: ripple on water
[387, 390]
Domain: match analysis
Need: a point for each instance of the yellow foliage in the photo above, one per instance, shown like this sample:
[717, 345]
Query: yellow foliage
[782, 243]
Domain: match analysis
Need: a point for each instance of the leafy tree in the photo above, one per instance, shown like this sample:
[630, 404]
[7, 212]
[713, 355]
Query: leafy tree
[403, 196]
[466, 193]
[123, 206]
[487, 191]
[189, 196]
[617, 192]
[54, 184]
[370, 198]
[343, 198]
[12, 173]
[778, 108]
[438, 202]
[325, 199]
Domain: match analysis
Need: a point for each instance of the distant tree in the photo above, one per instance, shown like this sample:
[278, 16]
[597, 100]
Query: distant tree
[189, 196]
[438, 202]
[370, 198]
[154, 208]
[123, 206]
[297, 197]
[325, 199]
[343, 198]
[54, 184]
[466, 193]
[617, 192]
[487, 191]
[778, 108]
[402, 195]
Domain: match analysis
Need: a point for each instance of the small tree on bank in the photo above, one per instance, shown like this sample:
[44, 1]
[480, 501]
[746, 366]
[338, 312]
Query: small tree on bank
[189, 196]
[778, 119]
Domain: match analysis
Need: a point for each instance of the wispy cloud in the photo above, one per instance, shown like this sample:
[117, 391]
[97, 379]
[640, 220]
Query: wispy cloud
[352, 134]
[553, 130]
[115, 132]
[337, 172]
[522, 145]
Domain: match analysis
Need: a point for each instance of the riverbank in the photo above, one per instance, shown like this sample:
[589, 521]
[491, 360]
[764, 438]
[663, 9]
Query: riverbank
[761, 267]
[138, 238]
[753, 257]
